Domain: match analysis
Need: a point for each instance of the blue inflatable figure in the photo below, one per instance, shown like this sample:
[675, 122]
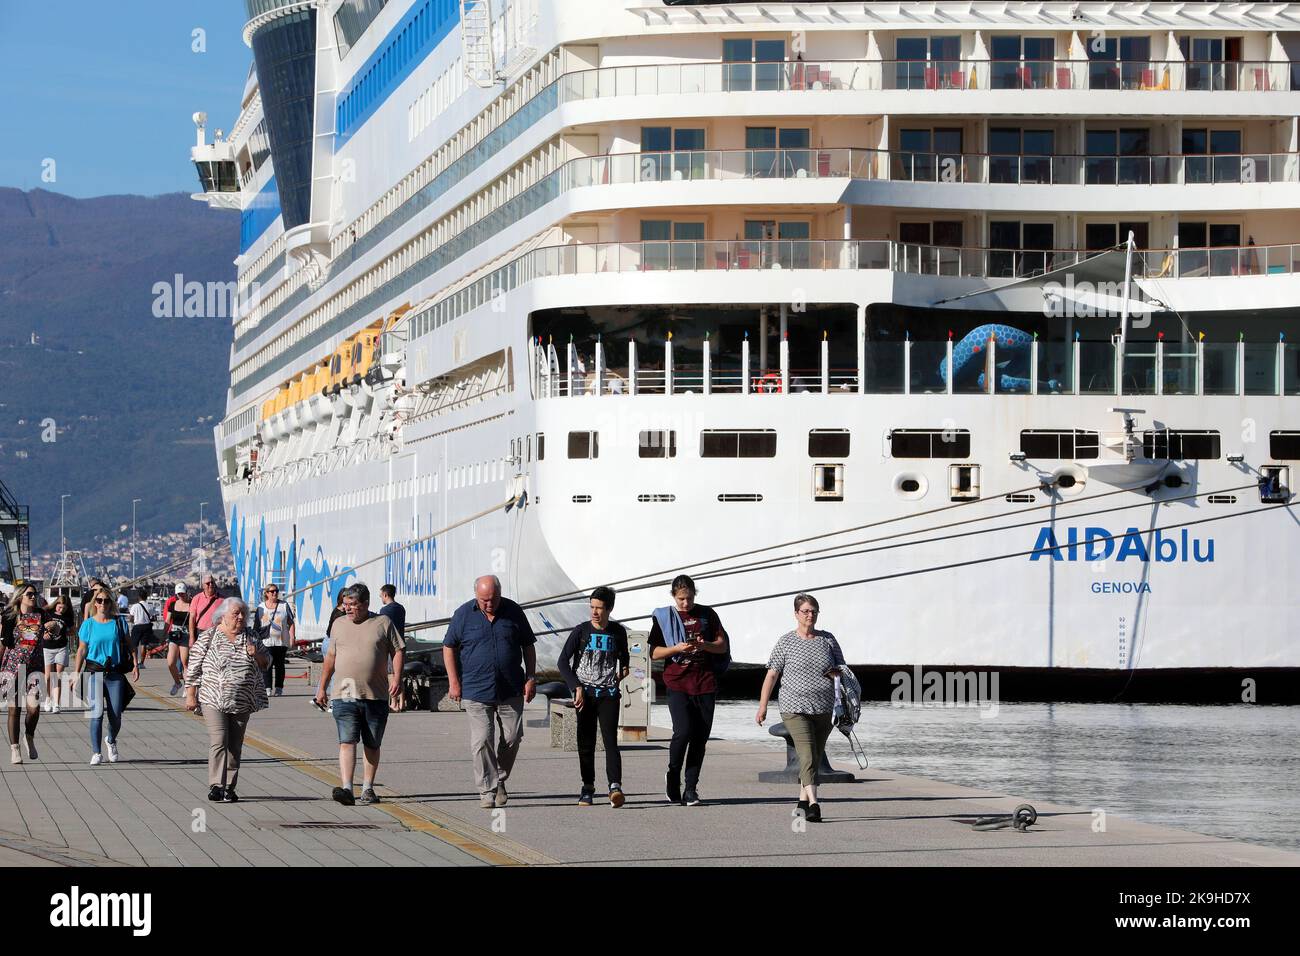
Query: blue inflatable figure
[1013, 346]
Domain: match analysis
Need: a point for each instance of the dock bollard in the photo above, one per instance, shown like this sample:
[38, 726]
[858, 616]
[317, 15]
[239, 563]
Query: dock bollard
[825, 773]
[550, 690]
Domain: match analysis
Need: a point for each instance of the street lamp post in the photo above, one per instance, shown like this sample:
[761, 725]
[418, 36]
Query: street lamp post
[134, 502]
[203, 558]
[63, 537]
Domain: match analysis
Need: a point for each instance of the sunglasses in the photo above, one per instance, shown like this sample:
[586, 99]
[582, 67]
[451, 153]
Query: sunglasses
[101, 600]
[271, 591]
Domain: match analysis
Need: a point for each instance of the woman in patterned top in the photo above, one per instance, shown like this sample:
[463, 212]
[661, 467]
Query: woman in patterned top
[806, 661]
[225, 676]
[20, 634]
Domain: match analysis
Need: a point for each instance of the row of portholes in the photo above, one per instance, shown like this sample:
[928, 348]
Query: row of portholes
[459, 477]
[1070, 481]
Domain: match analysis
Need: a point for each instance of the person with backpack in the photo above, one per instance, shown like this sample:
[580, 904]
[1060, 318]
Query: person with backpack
[691, 641]
[141, 626]
[806, 661]
[274, 623]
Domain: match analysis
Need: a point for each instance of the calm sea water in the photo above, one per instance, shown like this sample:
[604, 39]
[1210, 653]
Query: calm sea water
[1230, 772]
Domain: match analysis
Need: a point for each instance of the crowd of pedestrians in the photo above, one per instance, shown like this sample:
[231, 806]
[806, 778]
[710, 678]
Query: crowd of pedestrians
[230, 660]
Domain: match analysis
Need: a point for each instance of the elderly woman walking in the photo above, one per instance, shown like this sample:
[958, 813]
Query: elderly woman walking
[806, 661]
[225, 676]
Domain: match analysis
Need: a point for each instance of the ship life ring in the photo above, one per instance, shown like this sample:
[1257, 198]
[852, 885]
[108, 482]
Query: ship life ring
[769, 383]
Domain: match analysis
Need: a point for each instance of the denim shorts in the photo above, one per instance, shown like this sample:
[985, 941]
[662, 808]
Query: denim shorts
[362, 720]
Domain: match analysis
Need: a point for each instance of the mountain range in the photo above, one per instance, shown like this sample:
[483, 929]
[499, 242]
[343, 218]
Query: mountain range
[100, 397]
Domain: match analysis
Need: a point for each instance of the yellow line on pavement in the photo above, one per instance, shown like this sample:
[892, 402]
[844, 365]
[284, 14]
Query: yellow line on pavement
[481, 844]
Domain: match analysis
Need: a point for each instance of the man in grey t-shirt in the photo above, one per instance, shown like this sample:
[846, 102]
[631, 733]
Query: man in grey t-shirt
[361, 644]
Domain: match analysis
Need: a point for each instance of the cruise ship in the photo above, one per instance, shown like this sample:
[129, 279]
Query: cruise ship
[978, 320]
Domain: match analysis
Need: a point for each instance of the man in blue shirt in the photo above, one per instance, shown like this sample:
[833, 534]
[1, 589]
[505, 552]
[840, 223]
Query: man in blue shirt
[391, 609]
[494, 673]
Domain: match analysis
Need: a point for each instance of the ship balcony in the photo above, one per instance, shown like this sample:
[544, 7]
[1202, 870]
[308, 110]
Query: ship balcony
[743, 255]
[990, 359]
[931, 76]
[722, 165]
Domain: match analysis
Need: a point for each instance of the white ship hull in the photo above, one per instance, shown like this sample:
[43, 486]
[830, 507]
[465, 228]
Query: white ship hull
[484, 215]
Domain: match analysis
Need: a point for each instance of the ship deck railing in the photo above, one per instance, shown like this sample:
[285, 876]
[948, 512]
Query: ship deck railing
[929, 166]
[932, 75]
[924, 367]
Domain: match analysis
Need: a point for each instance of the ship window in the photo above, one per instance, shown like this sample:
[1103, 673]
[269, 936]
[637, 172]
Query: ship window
[584, 445]
[1069, 444]
[740, 497]
[828, 482]
[1180, 445]
[1284, 446]
[738, 444]
[541, 446]
[929, 443]
[828, 443]
[657, 444]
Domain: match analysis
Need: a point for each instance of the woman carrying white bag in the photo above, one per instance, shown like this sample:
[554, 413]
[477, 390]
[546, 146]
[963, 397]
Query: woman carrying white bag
[808, 663]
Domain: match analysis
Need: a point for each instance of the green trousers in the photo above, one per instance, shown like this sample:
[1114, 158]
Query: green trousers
[809, 733]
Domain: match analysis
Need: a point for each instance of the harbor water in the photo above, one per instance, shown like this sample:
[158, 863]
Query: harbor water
[1231, 772]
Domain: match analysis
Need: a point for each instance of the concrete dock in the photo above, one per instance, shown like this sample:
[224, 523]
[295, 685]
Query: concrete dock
[150, 809]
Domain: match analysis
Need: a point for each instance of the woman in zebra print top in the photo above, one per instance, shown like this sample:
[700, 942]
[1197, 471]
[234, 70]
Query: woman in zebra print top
[225, 677]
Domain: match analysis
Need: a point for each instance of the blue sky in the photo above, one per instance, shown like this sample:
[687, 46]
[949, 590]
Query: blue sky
[106, 89]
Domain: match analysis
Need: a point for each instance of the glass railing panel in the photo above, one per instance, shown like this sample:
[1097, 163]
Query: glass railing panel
[1193, 262]
[1260, 368]
[1179, 370]
[1096, 368]
[1139, 368]
[927, 361]
[1278, 260]
[1291, 369]
[872, 254]
[1055, 368]
[1220, 368]
[884, 364]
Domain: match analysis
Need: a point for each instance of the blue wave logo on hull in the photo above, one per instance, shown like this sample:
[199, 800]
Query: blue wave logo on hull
[1099, 545]
[257, 564]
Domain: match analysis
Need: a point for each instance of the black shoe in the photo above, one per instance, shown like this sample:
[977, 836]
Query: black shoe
[691, 799]
[216, 794]
[673, 788]
[344, 797]
[231, 796]
[586, 797]
[802, 809]
[814, 814]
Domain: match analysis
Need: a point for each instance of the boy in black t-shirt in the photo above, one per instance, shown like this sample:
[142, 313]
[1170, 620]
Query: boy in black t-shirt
[593, 661]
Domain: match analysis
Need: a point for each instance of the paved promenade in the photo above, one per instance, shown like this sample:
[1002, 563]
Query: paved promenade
[150, 809]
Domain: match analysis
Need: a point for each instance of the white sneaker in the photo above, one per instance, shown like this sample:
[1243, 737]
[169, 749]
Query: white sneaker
[47, 706]
[95, 760]
[54, 708]
[112, 751]
[15, 754]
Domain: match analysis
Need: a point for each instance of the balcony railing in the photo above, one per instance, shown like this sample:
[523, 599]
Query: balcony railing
[744, 255]
[935, 75]
[1070, 169]
[916, 367]
[912, 166]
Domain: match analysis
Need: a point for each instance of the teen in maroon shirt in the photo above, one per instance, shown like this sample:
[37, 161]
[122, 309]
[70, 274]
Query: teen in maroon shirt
[691, 669]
